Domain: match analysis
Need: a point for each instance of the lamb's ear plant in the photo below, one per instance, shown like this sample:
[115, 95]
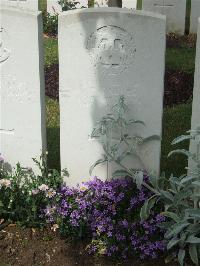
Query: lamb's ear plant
[180, 197]
[113, 133]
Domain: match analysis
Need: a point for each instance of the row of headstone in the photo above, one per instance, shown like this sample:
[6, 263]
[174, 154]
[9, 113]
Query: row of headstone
[109, 52]
[53, 6]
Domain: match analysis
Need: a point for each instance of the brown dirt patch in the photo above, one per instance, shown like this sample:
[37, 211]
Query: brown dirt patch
[44, 247]
[176, 41]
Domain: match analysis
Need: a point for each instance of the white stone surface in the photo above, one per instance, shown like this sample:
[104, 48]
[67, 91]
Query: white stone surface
[53, 6]
[28, 4]
[129, 4]
[195, 14]
[105, 53]
[195, 121]
[22, 120]
[175, 11]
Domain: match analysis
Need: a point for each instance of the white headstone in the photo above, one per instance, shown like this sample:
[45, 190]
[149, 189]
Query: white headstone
[132, 4]
[22, 117]
[175, 11]
[195, 14]
[28, 4]
[105, 53]
[196, 93]
[53, 7]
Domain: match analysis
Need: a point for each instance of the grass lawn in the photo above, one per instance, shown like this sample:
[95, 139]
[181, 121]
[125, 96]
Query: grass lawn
[176, 121]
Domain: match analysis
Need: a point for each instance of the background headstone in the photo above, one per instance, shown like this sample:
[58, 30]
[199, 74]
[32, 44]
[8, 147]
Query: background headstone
[175, 11]
[196, 94]
[28, 4]
[53, 6]
[195, 14]
[129, 4]
[22, 117]
[105, 53]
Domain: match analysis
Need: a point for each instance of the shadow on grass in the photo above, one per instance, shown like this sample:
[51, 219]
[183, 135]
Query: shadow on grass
[53, 146]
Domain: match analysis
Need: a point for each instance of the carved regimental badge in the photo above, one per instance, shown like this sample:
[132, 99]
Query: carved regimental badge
[4, 50]
[112, 49]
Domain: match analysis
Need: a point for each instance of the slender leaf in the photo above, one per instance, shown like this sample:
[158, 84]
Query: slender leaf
[194, 253]
[181, 256]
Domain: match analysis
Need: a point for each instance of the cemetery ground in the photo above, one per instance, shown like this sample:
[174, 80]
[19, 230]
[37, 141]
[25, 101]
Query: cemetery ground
[28, 246]
[33, 246]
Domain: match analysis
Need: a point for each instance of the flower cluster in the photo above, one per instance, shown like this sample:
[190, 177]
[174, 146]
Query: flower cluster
[108, 212]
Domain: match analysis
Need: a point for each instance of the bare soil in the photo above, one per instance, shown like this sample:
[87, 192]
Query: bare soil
[26, 246]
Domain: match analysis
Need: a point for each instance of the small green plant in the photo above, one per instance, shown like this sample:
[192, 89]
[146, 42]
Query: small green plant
[50, 24]
[180, 197]
[113, 132]
[67, 5]
[23, 194]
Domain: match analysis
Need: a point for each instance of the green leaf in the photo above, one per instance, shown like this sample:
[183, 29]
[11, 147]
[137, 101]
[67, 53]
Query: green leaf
[172, 215]
[181, 256]
[181, 151]
[196, 183]
[176, 229]
[193, 212]
[167, 195]
[139, 176]
[146, 208]
[193, 240]
[181, 138]
[193, 253]
[121, 173]
[100, 161]
[151, 138]
[132, 121]
[186, 179]
[172, 243]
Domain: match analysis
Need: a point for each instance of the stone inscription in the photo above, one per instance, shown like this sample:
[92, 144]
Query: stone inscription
[4, 50]
[112, 49]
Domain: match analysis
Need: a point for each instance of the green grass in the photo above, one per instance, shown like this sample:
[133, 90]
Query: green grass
[50, 51]
[176, 121]
[180, 59]
[43, 5]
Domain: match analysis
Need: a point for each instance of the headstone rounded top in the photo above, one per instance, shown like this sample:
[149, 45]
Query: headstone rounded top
[19, 10]
[112, 10]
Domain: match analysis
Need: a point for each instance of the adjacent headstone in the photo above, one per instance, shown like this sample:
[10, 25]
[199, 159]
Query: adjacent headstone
[22, 109]
[132, 4]
[105, 53]
[28, 4]
[175, 11]
[195, 14]
[196, 94]
[53, 6]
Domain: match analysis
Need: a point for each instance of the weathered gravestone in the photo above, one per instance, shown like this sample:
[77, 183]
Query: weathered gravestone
[22, 121]
[129, 4]
[105, 53]
[195, 14]
[28, 4]
[196, 94]
[175, 11]
[54, 7]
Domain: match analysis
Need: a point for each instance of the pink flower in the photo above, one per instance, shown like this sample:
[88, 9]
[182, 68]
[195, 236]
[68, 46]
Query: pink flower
[35, 191]
[43, 187]
[2, 159]
[50, 193]
[5, 182]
